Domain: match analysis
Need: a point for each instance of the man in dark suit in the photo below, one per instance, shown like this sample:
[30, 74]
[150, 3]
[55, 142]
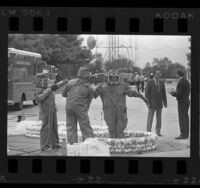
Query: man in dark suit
[182, 95]
[155, 95]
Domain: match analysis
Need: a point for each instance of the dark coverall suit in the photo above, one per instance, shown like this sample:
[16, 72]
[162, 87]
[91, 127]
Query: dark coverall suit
[114, 107]
[79, 95]
[47, 113]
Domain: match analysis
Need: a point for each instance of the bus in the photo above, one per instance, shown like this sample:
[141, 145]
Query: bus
[22, 67]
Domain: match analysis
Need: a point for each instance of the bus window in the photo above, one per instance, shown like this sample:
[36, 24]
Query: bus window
[23, 74]
[18, 74]
[9, 72]
[29, 74]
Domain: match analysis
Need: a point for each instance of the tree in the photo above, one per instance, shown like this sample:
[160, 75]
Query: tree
[155, 62]
[162, 65]
[171, 72]
[148, 69]
[147, 65]
[165, 66]
[64, 51]
[189, 54]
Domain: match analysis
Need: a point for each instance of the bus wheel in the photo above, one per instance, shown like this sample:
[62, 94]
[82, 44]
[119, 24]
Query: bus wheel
[19, 105]
[34, 102]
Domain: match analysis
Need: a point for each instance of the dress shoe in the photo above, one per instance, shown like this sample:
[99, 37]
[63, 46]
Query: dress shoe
[159, 134]
[46, 148]
[181, 137]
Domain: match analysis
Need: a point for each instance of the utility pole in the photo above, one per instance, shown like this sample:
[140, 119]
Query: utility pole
[131, 53]
[109, 54]
[135, 51]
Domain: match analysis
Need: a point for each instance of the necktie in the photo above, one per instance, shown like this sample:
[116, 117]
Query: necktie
[157, 83]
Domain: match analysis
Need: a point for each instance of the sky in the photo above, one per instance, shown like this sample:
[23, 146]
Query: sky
[143, 48]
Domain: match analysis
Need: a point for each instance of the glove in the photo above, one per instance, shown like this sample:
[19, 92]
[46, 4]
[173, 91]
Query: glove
[142, 97]
[54, 87]
[66, 81]
[173, 93]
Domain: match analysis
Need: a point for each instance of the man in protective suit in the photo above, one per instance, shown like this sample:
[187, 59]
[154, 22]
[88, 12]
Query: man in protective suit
[45, 98]
[79, 95]
[113, 96]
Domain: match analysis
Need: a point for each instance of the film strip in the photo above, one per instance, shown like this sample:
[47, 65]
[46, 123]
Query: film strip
[175, 162]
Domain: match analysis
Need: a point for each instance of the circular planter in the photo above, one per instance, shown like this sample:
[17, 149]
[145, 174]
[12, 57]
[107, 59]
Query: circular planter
[32, 129]
[134, 141]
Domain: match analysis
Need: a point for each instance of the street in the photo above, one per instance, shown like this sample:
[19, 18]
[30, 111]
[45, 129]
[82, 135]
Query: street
[137, 117]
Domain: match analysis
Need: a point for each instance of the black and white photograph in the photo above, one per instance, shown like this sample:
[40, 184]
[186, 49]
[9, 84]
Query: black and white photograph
[99, 95]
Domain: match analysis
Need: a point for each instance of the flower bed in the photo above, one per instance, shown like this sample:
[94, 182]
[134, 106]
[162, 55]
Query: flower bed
[134, 141]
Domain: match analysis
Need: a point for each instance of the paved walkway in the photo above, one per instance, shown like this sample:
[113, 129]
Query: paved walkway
[22, 145]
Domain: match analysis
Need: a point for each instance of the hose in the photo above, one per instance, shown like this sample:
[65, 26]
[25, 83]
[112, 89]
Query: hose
[26, 115]
[23, 151]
